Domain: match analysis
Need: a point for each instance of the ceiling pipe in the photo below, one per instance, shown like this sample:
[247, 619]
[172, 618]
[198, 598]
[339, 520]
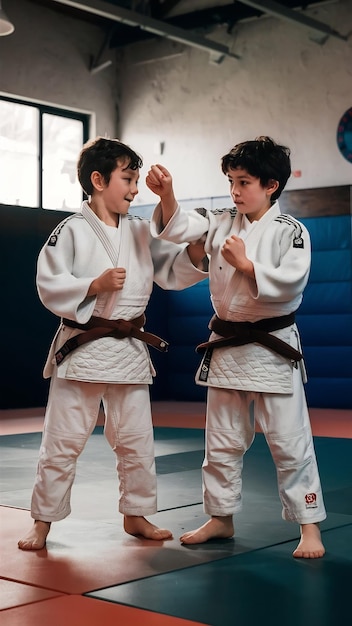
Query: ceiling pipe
[284, 13]
[144, 22]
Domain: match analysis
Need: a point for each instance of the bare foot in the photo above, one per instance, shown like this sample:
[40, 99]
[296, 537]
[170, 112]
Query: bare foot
[138, 525]
[215, 528]
[310, 545]
[36, 537]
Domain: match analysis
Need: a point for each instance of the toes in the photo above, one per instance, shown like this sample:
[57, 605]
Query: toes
[314, 554]
[32, 542]
[160, 533]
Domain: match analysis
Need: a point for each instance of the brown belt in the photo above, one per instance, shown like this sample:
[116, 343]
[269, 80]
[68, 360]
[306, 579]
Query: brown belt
[241, 333]
[98, 327]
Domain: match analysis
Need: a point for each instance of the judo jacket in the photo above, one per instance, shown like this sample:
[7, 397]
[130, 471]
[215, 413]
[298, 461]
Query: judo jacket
[81, 248]
[279, 248]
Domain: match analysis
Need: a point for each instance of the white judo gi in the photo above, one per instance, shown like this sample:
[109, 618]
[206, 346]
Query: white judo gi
[250, 382]
[116, 372]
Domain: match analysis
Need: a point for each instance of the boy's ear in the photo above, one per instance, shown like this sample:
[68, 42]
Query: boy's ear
[272, 186]
[97, 180]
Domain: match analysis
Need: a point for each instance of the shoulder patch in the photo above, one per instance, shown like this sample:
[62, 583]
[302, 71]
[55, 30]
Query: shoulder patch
[201, 211]
[137, 217]
[298, 241]
[52, 241]
[231, 211]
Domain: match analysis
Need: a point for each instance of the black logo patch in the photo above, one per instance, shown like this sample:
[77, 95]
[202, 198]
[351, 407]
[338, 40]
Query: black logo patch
[298, 242]
[53, 240]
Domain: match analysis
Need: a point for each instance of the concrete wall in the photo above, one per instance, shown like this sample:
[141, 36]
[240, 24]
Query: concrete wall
[285, 85]
[47, 59]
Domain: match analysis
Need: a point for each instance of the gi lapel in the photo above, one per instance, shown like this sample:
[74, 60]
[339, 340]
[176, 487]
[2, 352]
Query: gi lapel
[251, 241]
[259, 227]
[99, 230]
[118, 256]
[231, 275]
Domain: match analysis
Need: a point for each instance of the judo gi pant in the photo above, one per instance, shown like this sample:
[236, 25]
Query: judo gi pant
[230, 431]
[70, 418]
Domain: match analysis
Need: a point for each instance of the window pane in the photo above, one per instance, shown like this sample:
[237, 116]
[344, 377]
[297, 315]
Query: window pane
[62, 142]
[19, 150]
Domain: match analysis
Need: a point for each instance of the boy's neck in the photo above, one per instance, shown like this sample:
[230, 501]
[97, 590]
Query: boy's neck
[100, 210]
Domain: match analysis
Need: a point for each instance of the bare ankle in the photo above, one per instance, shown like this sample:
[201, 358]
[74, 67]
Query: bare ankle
[40, 522]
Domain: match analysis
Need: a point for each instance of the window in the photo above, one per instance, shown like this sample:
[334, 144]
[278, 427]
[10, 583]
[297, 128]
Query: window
[39, 147]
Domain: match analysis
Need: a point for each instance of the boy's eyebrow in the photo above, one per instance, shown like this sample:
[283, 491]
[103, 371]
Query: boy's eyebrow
[246, 175]
[131, 170]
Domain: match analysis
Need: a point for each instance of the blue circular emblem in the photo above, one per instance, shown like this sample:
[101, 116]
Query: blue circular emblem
[344, 135]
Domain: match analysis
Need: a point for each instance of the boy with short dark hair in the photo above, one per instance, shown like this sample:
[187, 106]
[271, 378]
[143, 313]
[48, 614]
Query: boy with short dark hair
[96, 273]
[259, 267]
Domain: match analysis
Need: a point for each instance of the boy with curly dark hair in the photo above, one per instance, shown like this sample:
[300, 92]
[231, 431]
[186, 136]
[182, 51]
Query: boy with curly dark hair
[252, 364]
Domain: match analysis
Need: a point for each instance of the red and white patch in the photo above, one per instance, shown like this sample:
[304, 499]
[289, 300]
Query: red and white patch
[311, 500]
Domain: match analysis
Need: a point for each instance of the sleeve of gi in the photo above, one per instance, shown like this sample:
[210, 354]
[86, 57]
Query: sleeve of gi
[283, 279]
[183, 226]
[173, 268]
[60, 291]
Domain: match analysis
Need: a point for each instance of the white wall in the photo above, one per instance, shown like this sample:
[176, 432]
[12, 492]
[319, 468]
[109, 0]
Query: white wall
[285, 86]
[47, 58]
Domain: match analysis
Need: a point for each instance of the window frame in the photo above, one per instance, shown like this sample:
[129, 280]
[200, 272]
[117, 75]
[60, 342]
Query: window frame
[83, 116]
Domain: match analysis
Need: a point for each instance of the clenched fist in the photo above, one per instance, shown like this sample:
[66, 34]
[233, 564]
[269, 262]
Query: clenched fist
[234, 251]
[110, 280]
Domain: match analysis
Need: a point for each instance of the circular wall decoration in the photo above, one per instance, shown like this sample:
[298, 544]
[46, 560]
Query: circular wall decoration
[344, 135]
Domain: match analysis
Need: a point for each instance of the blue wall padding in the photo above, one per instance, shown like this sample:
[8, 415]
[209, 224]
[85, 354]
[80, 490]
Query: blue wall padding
[194, 300]
[327, 298]
[330, 266]
[324, 320]
[183, 388]
[183, 360]
[334, 395]
[328, 361]
[325, 330]
[329, 232]
[188, 329]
